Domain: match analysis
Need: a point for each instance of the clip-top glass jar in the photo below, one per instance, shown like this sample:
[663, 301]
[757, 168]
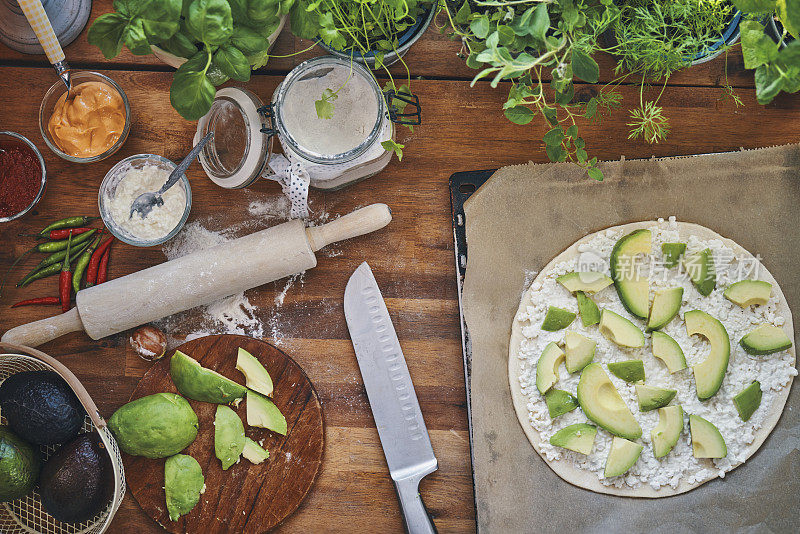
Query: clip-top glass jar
[334, 152]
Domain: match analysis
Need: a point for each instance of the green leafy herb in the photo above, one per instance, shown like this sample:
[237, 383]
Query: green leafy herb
[191, 92]
[395, 147]
[324, 105]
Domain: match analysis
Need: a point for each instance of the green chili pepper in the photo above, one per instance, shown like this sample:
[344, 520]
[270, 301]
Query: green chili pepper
[56, 246]
[83, 262]
[69, 222]
[55, 259]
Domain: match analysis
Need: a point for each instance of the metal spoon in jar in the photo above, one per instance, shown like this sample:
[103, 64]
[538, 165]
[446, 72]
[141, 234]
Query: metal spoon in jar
[145, 202]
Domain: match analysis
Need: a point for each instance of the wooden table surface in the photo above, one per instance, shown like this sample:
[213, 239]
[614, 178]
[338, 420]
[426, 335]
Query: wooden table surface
[463, 129]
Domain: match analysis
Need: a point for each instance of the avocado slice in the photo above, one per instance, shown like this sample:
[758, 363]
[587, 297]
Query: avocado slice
[601, 403]
[202, 384]
[19, 466]
[254, 452]
[630, 370]
[748, 400]
[263, 413]
[620, 330]
[709, 373]
[632, 287]
[666, 349]
[707, 442]
[578, 437]
[590, 313]
[589, 282]
[183, 484]
[256, 376]
[547, 367]
[557, 319]
[765, 339]
[559, 402]
[701, 270]
[579, 350]
[672, 253]
[666, 433]
[621, 457]
[228, 436]
[666, 304]
[748, 292]
[651, 397]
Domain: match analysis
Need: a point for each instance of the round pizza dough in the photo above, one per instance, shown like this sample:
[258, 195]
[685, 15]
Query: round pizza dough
[565, 468]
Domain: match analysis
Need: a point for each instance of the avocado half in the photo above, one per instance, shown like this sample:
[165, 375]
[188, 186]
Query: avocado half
[202, 384]
[633, 289]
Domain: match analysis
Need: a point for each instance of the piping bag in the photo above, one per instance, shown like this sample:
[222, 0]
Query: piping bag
[199, 278]
[40, 23]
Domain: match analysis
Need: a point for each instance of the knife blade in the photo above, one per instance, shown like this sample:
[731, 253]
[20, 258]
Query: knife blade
[398, 418]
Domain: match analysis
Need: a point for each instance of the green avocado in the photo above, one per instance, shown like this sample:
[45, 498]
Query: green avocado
[547, 367]
[765, 339]
[183, 484]
[256, 376]
[748, 400]
[77, 481]
[557, 319]
[559, 402]
[620, 330]
[621, 457]
[589, 282]
[262, 412]
[748, 293]
[201, 384]
[672, 253]
[19, 466]
[590, 313]
[666, 349]
[701, 270]
[709, 373]
[666, 304]
[632, 287]
[707, 442]
[254, 453]
[578, 437]
[155, 426]
[579, 351]
[666, 433]
[651, 397]
[629, 370]
[601, 403]
[228, 436]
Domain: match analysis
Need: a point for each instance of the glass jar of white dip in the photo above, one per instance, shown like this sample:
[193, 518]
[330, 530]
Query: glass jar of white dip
[326, 153]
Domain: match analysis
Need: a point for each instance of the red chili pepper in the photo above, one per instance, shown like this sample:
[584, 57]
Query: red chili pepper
[94, 262]
[65, 280]
[38, 301]
[102, 275]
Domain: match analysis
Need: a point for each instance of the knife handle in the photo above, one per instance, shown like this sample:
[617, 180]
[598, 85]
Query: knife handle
[416, 518]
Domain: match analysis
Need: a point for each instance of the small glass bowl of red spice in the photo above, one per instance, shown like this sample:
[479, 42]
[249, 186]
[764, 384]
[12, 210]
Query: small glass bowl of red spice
[22, 176]
[89, 123]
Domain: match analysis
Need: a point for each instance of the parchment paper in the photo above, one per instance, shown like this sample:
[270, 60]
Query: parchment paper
[525, 215]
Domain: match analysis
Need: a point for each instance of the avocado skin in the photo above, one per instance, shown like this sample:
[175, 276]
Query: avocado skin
[41, 408]
[19, 466]
[74, 481]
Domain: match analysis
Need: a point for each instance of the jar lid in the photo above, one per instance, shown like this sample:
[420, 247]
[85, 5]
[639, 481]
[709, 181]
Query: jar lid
[240, 149]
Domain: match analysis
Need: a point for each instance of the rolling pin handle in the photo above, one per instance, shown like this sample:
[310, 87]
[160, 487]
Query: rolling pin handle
[361, 221]
[40, 332]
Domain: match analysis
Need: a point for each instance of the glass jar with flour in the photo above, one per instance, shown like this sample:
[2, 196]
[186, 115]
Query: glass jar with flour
[330, 117]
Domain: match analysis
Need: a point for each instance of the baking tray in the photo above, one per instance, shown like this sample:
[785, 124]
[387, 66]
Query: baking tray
[462, 185]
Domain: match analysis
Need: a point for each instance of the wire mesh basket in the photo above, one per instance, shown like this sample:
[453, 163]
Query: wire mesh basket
[27, 515]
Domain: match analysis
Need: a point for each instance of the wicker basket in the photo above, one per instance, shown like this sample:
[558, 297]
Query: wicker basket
[26, 515]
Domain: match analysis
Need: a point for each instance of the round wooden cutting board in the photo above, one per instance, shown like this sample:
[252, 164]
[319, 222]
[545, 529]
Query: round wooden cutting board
[246, 498]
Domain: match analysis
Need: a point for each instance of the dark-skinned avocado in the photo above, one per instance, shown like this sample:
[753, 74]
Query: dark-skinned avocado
[19, 466]
[40, 407]
[74, 484]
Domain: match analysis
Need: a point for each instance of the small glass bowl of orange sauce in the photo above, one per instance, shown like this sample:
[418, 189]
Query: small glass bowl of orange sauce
[108, 119]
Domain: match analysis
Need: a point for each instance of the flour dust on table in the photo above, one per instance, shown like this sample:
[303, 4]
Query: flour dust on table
[663, 394]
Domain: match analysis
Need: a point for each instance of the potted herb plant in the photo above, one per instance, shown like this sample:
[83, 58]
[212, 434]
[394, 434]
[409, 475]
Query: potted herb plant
[776, 60]
[209, 41]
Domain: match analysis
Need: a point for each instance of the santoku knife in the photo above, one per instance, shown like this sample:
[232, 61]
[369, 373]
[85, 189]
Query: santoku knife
[401, 428]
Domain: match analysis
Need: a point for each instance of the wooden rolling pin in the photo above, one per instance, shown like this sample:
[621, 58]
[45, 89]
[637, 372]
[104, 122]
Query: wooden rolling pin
[199, 278]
